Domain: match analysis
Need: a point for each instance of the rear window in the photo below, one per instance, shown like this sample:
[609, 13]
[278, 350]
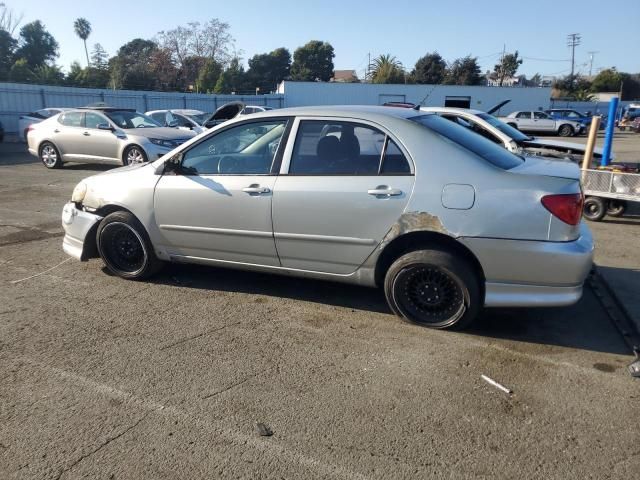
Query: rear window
[480, 146]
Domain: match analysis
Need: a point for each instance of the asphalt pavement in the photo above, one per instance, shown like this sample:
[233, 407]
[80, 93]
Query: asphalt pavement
[213, 373]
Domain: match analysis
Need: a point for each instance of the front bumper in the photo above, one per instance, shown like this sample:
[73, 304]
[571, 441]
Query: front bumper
[523, 273]
[77, 224]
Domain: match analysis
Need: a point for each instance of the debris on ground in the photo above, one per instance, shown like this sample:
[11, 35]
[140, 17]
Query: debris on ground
[499, 386]
[634, 367]
[263, 429]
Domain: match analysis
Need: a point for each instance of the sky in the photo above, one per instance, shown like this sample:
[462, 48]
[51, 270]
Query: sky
[357, 28]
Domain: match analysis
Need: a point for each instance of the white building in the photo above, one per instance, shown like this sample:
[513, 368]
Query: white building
[478, 97]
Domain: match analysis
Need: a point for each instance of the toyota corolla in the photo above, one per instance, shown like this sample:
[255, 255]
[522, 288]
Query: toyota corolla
[443, 220]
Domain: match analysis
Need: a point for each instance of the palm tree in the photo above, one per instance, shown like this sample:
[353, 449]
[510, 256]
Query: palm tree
[82, 28]
[386, 69]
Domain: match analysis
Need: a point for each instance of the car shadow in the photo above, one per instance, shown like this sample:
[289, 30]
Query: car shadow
[583, 326]
[93, 167]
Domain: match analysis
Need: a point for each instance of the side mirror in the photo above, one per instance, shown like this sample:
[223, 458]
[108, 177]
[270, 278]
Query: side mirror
[173, 164]
[105, 126]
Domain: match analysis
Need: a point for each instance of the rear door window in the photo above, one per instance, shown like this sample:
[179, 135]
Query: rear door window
[478, 145]
[345, 148]
[71, 119]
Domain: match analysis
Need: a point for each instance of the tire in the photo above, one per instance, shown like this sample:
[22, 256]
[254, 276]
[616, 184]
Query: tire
[134, 154]
[125, 248]
[49, 155]
[616, 208]
[565, 130]
[415, 275]
[594, 209]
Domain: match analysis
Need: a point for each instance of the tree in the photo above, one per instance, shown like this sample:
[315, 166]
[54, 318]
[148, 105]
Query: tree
[208, 76]
[313, 62]
[430, 69]
[82, 27]
[386, 69]
[232, 79]
[266, 70]
[608, 80]
[131, 68]
[9, 21]
[8, 46]
[36, 45]
[99, 57]
[164, 70]
[507, 67]
[568, 86]
[48, 75]
[20, 72]
[464, 71]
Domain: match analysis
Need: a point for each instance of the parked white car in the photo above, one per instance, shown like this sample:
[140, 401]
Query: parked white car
[541, 122]
[25, 121]
[512, 139]
[183, 119]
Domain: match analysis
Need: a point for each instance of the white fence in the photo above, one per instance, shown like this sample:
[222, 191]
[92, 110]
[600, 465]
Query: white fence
[17, 99]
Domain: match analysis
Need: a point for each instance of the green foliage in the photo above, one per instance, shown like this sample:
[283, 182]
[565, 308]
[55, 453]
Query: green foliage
[48, 75]
[607, 81]
[464, 71]
[313, 62]
[507, 67]
[8, 46]
[99, 57]
[20, 72]
[386, 69]
[131, 68]
[430, 69]
[208, 76]
[232, 79]
[37, 46]
[569, 86]
[267, 70]
[583, 95]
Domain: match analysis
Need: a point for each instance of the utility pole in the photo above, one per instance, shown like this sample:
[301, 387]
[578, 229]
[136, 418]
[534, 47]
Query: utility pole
[573, 40]
[591, 55]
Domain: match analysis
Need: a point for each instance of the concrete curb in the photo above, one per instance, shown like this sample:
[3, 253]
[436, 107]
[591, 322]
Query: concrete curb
[615, 308]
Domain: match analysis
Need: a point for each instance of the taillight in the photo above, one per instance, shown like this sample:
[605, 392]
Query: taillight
[567, 206]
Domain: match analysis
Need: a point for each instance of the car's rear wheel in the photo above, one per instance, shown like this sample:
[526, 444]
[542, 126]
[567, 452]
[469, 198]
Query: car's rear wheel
[565, 130]
[125, 248]
[433, 288]
[594, 209]
[616, 208]
[134, 154]
[50, 156]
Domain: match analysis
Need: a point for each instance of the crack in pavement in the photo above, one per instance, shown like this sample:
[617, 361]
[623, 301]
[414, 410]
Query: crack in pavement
[237, 384]
[103, 444]
[194, 337]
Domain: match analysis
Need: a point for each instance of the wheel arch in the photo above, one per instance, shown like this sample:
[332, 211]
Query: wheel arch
[129, 145]
[90, 249]
[419, 240]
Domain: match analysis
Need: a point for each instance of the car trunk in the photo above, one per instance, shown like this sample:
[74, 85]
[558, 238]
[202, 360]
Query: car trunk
[225, 112]
[559, 192]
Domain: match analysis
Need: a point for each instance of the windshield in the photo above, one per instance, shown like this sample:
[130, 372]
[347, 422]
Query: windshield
[199, 118]
[473, 142]
[511, 132]
[125, 119]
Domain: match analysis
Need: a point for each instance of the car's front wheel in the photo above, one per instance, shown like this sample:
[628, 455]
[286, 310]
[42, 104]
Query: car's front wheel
[433, 288]
[50, 156]
[125, 248]
[565, 130]
[134, 154]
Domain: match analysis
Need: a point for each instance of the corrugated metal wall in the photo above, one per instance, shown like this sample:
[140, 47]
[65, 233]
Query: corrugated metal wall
[17, 99]
[482, 98]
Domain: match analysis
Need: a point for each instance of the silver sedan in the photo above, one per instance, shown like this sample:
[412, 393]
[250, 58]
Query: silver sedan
[444, 220]
[102, 135]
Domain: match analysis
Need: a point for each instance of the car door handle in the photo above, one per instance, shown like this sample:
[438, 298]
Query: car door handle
[387, 192]
[256, 189]
[56, 131]
[86, 134]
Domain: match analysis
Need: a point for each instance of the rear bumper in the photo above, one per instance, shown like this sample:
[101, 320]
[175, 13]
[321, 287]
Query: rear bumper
[533, 273]
[77, 224]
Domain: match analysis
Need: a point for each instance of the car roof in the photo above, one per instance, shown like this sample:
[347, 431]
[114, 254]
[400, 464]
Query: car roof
[451, 109]
[358, 111]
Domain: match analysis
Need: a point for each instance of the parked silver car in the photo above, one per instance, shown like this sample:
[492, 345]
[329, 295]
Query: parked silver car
[183, 119]
[106, 135]
[25, 121]
[443, 219]
[541, 122]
